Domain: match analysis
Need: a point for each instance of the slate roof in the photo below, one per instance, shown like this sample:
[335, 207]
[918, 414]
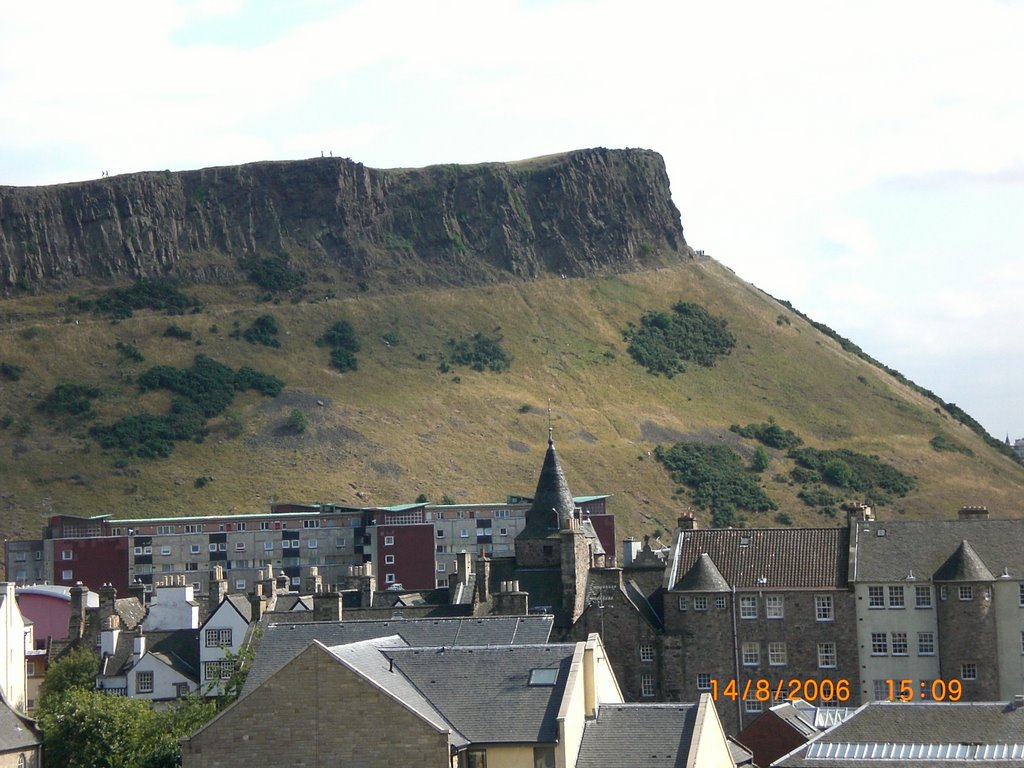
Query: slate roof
[892, 550]
[888, 728]
[281, 642]
[484, 691]
[766, 558]
[553, 504]
[703, 576]
[963, 565]
[179, 649]
[17, 732]
[628, 735]
[130, 611]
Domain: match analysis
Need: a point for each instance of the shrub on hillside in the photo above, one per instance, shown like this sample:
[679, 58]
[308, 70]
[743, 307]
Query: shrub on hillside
[479, 352]
[343, 343]
[175, 331]
[273, 273]
[769, 433]
[10, 371]
[69, 400]
[665, 341]
[940, 443]
[157, 293]
[262, 331]
[842, 468]
[129, 351]
[717, 480]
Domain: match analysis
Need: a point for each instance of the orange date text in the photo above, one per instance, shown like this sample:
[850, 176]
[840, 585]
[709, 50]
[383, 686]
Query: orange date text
[762, 689]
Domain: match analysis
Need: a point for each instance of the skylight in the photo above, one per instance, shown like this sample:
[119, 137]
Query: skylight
[543, 676]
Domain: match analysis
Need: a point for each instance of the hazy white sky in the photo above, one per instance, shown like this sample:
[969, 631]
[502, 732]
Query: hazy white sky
[863, 160]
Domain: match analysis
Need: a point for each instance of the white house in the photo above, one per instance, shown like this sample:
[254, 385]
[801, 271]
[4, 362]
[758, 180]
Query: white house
[12, 648]
[221, 638]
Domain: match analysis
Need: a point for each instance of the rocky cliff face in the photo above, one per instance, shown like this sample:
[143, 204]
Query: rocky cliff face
[580, 213]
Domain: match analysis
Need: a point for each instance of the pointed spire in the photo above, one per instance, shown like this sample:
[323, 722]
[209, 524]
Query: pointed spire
[703, 576]
[552, 501]
[963, 565]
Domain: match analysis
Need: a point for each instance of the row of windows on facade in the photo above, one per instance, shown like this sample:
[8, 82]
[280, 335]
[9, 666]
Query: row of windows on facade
[923, 595]
[774, 606]
[543, 757]
[389, 541]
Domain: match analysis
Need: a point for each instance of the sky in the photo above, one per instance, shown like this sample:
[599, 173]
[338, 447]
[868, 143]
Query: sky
[862, 160]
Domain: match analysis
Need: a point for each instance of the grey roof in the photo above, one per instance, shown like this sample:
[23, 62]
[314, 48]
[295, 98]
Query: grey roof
[766, 558]
[179, 649]
[703, 576]
[130, 611]
[628, 735]
[963, 565]
[886, 730]
[16, 731]
[893, 550]
[591, 536]
[470, 685]
[553, 504]
[281, 642]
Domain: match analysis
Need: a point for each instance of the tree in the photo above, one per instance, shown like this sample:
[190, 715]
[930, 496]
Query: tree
[298, 422]
[760, 462]
[74, 671]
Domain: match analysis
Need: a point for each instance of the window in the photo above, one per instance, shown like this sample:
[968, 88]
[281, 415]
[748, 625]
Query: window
[30, 668]
[223, 546]
[144, 682]
[823, 608]
[647, 687]
[922, 596]
[748, 607]
[899, 643]
[776, 654]
[943, 592]
[194, 528]
[1020, 595]
[164, 529]
[310, 523]
[268, 546]
[219, 670]
[968, 671]
[192, 567]
[239, 546]
[700, 603]
[720, 602]
[876, 597]
[1022, 642]
[752, 705]
[826, 655]
[476, 758]
[773, 607]
[881, 689]
[441, 567]
[389, 541]
[148, 550]
[543, 676]
[239, 526]
[181, 690]
[194, 549]
[895, 597]
[20, 557]
[503, 531]
[215, 638]
[389, 578]
[68, 554]
[340, 543]
[879, 644]
[312, 544]
[464, 533]
[389, 559]
[213, 547]
[543, 757]
[703, 681]
[502, 513]
[67, 575]
[135, 550]
[647, 651]
[240, 584]
[265, 525]
[440, 534]
[751, 654]
[684, 604]
[965, 592]
[926, 643]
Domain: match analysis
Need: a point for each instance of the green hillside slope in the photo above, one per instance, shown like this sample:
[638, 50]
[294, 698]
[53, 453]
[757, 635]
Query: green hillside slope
[398, 426]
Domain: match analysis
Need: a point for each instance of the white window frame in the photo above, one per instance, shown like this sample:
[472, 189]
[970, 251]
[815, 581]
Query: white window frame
[777, 656]
[750, 654]
[646, 652]
[876, 598]
[389, 559]
[827, 654]
[925, 640]
[389, 578]
[969, 671]
[748, 606]
[922, 596]
[389, 541]
[700, 602]
[648, 686]
[684, 603]
[703, 681]
[144, 681]
[879, 644]
[774, 607]
[824, 608]
[898, 641]
[69, 554]
[965, 593]
[67, 574]
[897, 598]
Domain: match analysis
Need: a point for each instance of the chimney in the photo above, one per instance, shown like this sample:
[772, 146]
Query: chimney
[510, 601]
[218, 588]
[257, 602]
[686, 521]
[107, 597]
[367, 586]
[138, 645]
[109, 634]
[327, 606]
[138, 590]
[314, 582]
[483, 578]
[281, 582]
[973, 513]
[463, 566]
[76, 621]
[630, 549]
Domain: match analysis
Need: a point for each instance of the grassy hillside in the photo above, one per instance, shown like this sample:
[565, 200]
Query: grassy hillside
[398, 426]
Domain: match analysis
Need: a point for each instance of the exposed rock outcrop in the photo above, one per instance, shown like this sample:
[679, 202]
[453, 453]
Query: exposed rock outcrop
[580, 213]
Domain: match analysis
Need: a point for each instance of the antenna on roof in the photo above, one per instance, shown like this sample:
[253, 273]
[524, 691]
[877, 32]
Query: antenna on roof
[551, 438]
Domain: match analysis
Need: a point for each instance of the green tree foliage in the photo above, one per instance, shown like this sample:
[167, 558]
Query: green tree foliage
[343, 343]
[74, 671]
[769, 433]
[69, 399]
[298, 422]
[158, 293]
[205, 390]
[479, 352]
[877, 481]
[940, 443]
[175, 331]
[263, 331]
[761, 460]
[665, 341]
[129, 351]
[717, 479]
[273, 273]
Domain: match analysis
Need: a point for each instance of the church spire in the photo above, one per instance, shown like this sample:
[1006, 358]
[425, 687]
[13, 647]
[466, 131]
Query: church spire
[552, 501]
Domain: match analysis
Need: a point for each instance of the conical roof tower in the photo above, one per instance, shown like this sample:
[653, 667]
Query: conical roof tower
[553, 506]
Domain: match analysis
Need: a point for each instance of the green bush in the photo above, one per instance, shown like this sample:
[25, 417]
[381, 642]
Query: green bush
[262, 331]
[177, 332]
[665, 342]
[158, 293]
[298, 422]
[342, 340]
[479, 352]
[769, 433]
[129, 351]
[10, 371]
[818, 497]
[717, 480]
[761, 460]
[69, 400]
[940, 443]
[843, 468]
[273, 273]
